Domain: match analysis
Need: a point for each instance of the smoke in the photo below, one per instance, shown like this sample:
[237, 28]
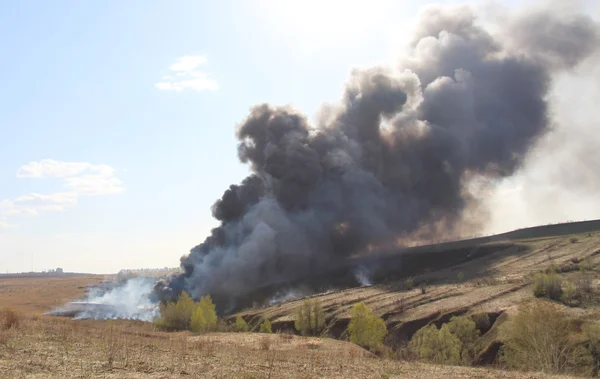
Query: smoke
[362, 275]
[401, 155]
[114, 300]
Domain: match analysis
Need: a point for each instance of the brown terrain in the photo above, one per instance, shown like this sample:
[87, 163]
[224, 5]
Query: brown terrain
[491, 276]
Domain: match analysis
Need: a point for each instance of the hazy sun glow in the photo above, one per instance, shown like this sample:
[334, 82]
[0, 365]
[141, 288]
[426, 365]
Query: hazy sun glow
[327, 20]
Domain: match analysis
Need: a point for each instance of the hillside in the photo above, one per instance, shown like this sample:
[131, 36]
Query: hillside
[490, 276]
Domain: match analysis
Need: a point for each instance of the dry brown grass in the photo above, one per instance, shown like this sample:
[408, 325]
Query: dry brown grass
[9, 319]
[46, 347]
[35, 296]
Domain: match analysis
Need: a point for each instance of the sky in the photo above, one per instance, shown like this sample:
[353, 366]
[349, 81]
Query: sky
[113, 115]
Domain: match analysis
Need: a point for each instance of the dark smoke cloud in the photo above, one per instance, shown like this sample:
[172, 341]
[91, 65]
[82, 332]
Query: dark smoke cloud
[395, 156]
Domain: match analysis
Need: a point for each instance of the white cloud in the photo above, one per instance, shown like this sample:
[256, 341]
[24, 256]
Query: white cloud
[79, 179]
[186, 75]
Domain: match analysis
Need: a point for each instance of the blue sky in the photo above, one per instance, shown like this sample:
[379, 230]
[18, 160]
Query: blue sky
[104, 164]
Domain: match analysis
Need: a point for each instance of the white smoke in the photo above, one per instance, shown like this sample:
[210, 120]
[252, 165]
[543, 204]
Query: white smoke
[128, 300]
[362, 275]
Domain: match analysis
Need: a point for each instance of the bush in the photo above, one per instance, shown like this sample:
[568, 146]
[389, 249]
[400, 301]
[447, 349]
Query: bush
[241, 325]
[465, 329]
[547, 285]
[539, 338]
[409, 283]
[177, 315]
[9, 319]
[436, 346]
[365, 328]
[204, 318]
[482, 321]
[453, 343]
[310, 318]
[265, 327]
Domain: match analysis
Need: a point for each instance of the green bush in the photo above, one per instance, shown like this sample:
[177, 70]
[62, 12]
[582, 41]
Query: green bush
[547, 285]
[241, 325]
[436, 346]
[409, 283]
[539, 338]
[265, 327]
[365, 328]
[310, 318]
[454, 343]
[204, 318]
[177, 315]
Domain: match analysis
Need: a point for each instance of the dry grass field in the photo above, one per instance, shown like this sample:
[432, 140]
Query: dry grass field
[62, 348]
[37, 295]
[49, 347]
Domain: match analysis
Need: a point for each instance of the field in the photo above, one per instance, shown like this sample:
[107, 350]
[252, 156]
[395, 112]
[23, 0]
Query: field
[37, 295]
[484, 276]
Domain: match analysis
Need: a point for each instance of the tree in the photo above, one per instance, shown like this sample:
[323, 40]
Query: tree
[365, 328]
[310, 318]
[465, 329]
[436, 346]
[539, 337]
[177, 315]
[265, 327]
[240, 324]
[204, 318]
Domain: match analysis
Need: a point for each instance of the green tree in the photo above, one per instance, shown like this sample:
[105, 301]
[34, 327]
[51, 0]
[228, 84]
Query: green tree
[310, 318]
[465, 329]
[365, 328]
[240, 324]
[177, 315]
[436, 346]
[265, 327]
[204, 318]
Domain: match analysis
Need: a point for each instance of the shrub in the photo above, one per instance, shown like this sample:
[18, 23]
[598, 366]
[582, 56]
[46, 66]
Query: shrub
[265, 327]
[573, 240]
[365, 328]
[460, 276]
[310, 318]
[204, 318]
[177, 315]
[465, 329]
[240, 324]
[409, 283]
[547, 285]
[539, 338]
[436, 346]
[453, 343]
[482, 321]
[9, 319]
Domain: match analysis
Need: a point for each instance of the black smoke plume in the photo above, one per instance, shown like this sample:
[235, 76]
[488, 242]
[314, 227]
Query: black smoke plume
[396, 156]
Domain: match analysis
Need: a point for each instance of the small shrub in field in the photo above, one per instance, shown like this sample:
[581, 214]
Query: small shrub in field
[539, 338]
[241, 325]
[460, 276]
[9, 319]
[310, 318]
[365, 328]
[204, 317]
[265, 343]
[265, 327]
[547, 285]
[409, 283]
[573, 240]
